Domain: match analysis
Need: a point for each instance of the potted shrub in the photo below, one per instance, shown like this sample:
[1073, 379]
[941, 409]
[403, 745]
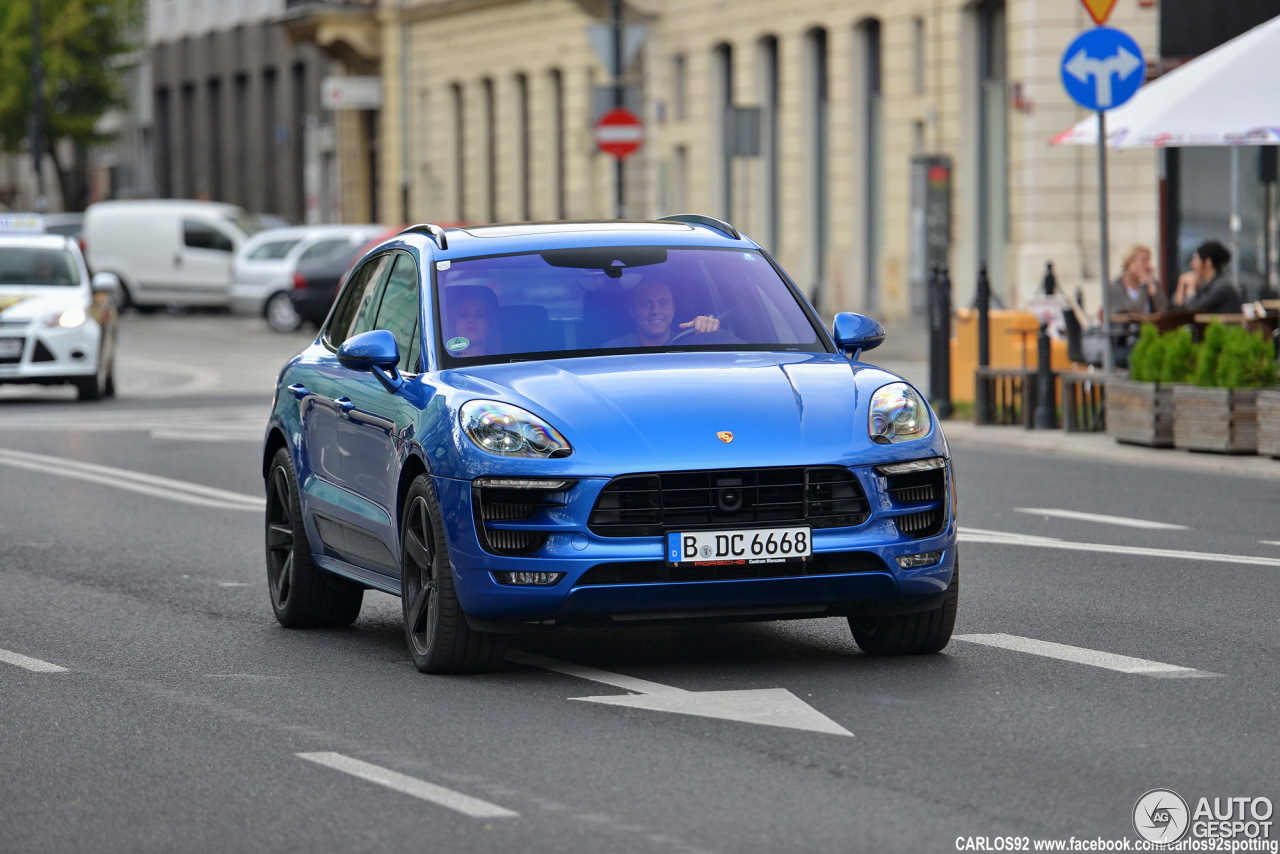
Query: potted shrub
[1140, 408]
[1218, 412]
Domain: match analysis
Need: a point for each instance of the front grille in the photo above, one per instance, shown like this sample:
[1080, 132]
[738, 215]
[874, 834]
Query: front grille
[658, 572]
[922, 487]
[641, 505]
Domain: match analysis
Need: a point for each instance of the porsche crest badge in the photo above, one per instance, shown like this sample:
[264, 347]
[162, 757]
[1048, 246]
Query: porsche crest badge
[725, 436]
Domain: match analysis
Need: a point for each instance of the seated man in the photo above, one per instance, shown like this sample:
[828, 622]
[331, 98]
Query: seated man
[652, 309]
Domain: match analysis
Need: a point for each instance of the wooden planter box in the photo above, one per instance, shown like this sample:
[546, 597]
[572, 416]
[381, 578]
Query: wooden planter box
[1140, 413]
[1221, 420]
[1269, 422]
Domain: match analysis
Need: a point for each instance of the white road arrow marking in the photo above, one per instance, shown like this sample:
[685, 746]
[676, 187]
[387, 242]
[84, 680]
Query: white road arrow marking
[1126, 521]
[1082, 67]
[766, 706]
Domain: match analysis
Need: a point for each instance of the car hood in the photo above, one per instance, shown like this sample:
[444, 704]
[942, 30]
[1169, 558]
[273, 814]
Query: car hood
[30, 303]
[697, 410]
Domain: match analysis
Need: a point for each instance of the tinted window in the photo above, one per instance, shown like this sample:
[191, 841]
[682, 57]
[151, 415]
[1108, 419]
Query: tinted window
[356, 306]
[565, 302]
[273, 251]
[398, 311]
[199, 235]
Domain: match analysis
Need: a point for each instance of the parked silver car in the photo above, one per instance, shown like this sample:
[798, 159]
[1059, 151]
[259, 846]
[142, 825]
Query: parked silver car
[262, 271]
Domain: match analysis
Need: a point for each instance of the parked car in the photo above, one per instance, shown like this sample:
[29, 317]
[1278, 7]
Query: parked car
[262, 271]
[316, 283]
[66, 224]
[529, 425]
[57, 325]
[167, 252]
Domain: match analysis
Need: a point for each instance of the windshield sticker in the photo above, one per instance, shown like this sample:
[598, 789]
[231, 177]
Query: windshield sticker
[443, 265]
[457, 345]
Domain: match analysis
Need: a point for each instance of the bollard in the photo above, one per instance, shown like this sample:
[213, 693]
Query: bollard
[1044, 415]
[982, 388]
[940, 342]
[1050, 280]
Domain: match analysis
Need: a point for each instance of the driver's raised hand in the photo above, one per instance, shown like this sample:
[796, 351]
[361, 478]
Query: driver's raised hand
[703, 323]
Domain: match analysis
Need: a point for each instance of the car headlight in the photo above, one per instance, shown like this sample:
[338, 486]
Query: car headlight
[69, 319]
[509, 431]
[898, 414]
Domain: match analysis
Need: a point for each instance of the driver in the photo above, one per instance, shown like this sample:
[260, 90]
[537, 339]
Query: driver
[652, 310]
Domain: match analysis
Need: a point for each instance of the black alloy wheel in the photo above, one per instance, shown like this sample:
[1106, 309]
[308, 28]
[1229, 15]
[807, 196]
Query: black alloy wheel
[303, 596]
[440, 641]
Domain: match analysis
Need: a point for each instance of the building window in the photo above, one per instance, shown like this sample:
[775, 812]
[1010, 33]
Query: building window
[558, 164]
[769, 102]
[817, 89]
[459, 151]
[917, 56]
[522, 140]
[679, 89]
[872, 124]
[723, 105]
[490, 150]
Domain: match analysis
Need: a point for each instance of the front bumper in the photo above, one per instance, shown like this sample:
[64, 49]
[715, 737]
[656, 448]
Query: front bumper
[854, 569]
[51, 354]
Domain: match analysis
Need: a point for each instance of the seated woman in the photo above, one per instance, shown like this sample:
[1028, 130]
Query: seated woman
[1203, 288]
[471, 321]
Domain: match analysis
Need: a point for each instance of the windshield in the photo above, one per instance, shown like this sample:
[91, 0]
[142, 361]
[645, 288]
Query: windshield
[30, 265]
[615, 299]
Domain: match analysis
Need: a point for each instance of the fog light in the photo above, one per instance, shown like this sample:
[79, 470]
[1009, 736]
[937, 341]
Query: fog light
[912, 466]
[538, 579]
[920, 560]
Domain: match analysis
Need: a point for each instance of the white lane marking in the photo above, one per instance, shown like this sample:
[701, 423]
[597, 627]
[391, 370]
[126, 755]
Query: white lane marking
[765, 706]
[195, 423]
[1126, 521]
[978, 535]
[1269, 542]
[1080, 655]
[147, 484]
[28, 663]
[439, 795]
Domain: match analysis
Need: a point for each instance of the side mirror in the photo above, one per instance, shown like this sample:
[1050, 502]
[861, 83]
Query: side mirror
[375, 351]
[856, 332]
[107, 283]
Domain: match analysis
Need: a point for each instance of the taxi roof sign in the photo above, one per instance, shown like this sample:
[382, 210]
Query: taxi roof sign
[24, 222]
[1099, 10]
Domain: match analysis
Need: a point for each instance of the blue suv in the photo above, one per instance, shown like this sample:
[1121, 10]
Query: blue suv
[515, 426]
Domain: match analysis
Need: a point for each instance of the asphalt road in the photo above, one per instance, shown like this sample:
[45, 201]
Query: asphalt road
[1117, 633]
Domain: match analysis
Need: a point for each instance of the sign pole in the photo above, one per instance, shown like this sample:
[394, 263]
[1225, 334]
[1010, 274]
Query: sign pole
[618, 100]
[1108, 352]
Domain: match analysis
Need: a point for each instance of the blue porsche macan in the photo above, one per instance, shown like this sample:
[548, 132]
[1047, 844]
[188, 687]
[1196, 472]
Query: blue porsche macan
[515, 426]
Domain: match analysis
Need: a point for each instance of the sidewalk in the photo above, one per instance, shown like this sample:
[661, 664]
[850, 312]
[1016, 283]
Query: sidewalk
[906, 352]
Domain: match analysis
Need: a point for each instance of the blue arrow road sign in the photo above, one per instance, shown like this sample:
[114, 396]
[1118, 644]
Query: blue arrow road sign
[1102, 68]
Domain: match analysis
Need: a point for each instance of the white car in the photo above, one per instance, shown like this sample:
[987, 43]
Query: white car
[57, 325]
[262, 271]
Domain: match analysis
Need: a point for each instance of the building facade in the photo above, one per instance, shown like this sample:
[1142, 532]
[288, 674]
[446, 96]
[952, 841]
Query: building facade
[819, 127]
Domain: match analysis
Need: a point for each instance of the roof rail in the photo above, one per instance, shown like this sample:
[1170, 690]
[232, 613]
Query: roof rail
[710, 222]
[432, 230]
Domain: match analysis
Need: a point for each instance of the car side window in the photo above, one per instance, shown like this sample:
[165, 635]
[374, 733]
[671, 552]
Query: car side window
[200, 235]
[356, 301]
[398, 311]
[322, 250]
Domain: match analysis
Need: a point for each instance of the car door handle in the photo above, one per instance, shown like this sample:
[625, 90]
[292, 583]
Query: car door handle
[177, 259]
[298, 390]
[345, 404]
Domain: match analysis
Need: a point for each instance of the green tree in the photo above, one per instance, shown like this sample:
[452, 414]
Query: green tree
[81, 42]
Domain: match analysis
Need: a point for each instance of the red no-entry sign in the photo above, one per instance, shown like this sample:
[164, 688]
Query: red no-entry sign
[619, 132]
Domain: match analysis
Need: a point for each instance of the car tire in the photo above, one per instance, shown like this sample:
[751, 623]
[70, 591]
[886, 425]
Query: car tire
[280, 313]
[439, 638]
[100, 384]
[303, 596]
[921, 633]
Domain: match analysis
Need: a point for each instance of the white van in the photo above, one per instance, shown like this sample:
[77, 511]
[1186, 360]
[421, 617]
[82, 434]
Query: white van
[167, 252]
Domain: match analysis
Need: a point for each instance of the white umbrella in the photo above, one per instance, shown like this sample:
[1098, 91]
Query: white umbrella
[1228, 96]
